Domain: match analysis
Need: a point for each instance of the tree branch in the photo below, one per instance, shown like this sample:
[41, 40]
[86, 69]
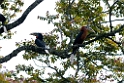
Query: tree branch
[62, 54]
[110, 14]
[101, 36]
[18, 50]
[68, 12]
[23, 17]
[114, 40]
[59, 74]
[113, 20]
[34, 49]
[1, 1]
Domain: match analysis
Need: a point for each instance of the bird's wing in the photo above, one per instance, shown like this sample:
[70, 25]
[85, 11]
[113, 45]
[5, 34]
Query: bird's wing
[2, 18]
[40, 43]
[78, 39]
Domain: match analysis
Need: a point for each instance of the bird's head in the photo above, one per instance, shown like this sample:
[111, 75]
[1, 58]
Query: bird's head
[38, 35]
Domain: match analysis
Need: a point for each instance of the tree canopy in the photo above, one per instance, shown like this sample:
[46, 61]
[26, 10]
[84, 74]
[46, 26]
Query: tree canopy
[99, 58]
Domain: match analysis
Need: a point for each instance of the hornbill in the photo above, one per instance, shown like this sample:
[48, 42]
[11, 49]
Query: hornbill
[39, 41]
[79, 39]
[3, 19]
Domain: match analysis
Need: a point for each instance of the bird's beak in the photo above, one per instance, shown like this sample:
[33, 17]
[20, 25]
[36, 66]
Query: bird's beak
[31, 34]
[91, 30]
[34, 34]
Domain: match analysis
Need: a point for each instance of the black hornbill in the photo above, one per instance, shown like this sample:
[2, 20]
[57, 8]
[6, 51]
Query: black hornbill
[79, 40]
[3, 19]
[39, 39]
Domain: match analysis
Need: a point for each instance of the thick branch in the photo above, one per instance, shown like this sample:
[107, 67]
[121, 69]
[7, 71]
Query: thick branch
[23, 17]
[18, 50]
[34, 49]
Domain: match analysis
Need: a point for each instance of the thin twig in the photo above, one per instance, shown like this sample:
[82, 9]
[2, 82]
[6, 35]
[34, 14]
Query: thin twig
[110, 14]
[112, 21]
[59, 73]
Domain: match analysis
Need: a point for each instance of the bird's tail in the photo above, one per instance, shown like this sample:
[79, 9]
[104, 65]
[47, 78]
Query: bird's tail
[5, 29]
[72, 58]
[46, 49]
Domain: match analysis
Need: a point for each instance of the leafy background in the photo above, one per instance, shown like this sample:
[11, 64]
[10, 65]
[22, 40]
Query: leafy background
[100, 57]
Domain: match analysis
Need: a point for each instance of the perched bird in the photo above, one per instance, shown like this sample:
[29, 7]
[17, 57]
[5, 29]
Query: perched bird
[3, 19]
[39, 41]
[79, 40]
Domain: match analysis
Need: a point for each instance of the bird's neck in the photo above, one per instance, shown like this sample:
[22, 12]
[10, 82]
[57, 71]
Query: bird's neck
[39, 38]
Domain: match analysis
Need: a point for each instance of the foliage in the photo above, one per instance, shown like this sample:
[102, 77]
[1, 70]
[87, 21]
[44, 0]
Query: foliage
[9, 10]
[95, 62]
